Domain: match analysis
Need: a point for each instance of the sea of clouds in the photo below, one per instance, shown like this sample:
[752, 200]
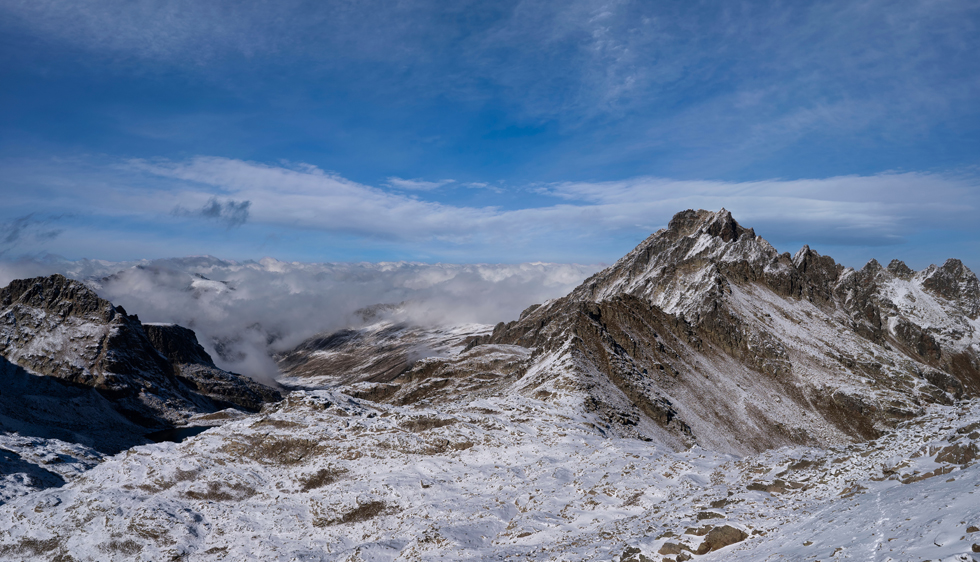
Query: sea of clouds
[244, 312]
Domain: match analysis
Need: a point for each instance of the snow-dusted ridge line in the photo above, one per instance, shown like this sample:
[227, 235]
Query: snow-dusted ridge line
[711, 331]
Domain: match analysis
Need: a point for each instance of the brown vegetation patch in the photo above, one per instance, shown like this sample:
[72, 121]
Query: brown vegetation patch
[157, 485]
[32, 546]
[278, 424]
[222, 492]
[362, 512]
[270, 449]
[129, 547]
[417, 425]
[149, 529]
[321, 478]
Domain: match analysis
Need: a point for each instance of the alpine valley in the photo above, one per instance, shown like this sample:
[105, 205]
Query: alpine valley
[705, 397]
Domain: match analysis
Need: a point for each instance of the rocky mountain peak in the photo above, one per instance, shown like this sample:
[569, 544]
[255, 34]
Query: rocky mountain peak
[58, 295]
[705, 305]
[899, 269]
[676, 268]
[719, 224]
[802, 255]
[177, 343]
[953, 281]
[872, 267]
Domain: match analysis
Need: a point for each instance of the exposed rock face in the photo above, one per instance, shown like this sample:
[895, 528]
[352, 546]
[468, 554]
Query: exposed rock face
[178, 344]
[59, 328]
[705, 334]
[194, 367]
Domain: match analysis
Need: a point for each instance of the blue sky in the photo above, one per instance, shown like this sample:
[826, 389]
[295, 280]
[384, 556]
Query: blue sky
[485, 131]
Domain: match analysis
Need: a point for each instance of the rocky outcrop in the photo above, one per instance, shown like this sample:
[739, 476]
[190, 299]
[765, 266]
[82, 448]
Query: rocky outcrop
[954, 282]
[193, 366]
[177, 344]
[154, 376]
[45, 407]
[58, 327]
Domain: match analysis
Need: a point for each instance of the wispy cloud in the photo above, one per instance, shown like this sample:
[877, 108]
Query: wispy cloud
[865, 209]
[569, 61]
[29, 226]
[570, 221]
[417, 184]
[308, 197]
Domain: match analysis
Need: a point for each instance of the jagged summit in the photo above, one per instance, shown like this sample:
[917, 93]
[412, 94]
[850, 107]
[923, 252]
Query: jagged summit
[59, 327]
[669, 268]
[720, 224]
[60, 295]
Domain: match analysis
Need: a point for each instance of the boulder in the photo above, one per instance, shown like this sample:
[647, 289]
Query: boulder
[720, 537]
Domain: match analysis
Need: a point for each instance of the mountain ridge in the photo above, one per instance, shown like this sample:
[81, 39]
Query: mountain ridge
[711, 334]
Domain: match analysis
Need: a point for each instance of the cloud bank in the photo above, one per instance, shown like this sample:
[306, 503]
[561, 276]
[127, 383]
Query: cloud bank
[243, 312]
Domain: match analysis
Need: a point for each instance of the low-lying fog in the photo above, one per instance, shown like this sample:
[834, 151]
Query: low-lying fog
[245, 311]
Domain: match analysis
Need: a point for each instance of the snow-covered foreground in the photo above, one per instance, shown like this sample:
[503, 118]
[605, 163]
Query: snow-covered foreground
[29, 463]
[322, 476]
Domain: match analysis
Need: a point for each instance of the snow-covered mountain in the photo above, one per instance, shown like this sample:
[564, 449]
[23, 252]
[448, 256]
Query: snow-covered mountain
[705, 334]
[704, 397]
